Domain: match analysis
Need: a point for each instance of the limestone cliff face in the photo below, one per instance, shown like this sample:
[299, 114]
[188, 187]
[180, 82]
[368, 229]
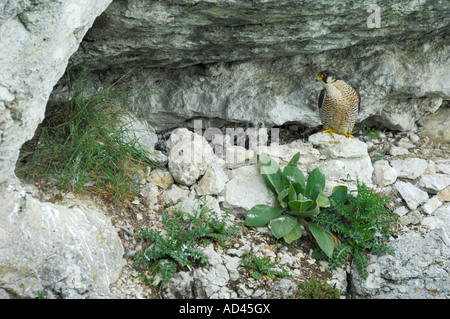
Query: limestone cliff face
[45, 245]
[242, 61]
[224, 61]
[185, 32]
[37, 38]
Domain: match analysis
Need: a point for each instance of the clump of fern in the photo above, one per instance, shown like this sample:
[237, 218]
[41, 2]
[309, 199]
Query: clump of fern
[362, 221]
[177, 245]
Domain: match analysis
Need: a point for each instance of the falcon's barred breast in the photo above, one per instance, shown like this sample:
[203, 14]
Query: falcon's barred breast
[339, 104]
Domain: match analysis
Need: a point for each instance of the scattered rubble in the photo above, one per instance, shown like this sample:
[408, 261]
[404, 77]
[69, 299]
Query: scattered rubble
[417, 179]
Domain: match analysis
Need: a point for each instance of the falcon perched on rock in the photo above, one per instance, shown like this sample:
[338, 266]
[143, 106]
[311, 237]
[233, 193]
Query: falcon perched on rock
[339, 104]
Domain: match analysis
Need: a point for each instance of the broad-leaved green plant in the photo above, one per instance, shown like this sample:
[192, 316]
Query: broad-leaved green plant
[298, 199]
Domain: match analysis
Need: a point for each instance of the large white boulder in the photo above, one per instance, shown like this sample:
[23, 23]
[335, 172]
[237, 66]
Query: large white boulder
[190, 156]
[246, 189]
[63, 251]
[345, 158]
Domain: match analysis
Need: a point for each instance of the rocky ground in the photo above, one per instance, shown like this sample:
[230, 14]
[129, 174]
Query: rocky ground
[409, 167]
[406, 166]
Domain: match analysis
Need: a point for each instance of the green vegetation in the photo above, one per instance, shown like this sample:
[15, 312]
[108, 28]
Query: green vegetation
[299, 200]
[87, 140]
[87, 143]
[378, 158]
[314, 289]
[177, 244]
[342, 224]
[363, 221]
[370, 132]
[263, 266]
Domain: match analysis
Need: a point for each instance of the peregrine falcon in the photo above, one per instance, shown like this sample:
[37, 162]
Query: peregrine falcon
[339, 104]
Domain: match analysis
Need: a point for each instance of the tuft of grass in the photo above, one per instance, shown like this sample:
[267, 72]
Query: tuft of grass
[86, 142]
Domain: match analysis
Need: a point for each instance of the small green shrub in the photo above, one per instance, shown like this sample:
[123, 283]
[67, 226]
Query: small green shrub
[299, 200]
[41, 295]
[314, 289]
[177, 244]
[263, 266]
[342, 224]
[363, 221]
[370, 132]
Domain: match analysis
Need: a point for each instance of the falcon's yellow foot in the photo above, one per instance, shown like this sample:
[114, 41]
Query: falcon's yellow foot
[330, 130]
[348, 135]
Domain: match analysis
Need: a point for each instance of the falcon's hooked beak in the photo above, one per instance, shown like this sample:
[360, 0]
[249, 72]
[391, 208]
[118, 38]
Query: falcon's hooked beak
[319, 77]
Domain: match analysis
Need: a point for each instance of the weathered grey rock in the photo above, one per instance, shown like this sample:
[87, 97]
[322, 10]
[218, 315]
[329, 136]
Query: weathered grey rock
[212, 282]
[412, 195]
[192, 205]
[64, 252]
[384, 174]
[410, 168]
[439, 219]
[37, 40]
[182, 33]
[339, 279]
[338, 146]
[139, 131]
[443, 166]
[444, 194]
[190, 156]
[419, 269]
[286, 288]
[397, 89]
[397, 150]
[179, 286]
[161, 178]
[208, 282]
[434, 183]
[232, 264]
[240, 252]
[136, 129]
[436, 126]
[431, 205]
[213, 182]
[236, 156]
[282, 154]
[413, 217]
[151, 193]
[345, 158]
[245, 190]
[401, 211]
[405, 143]
[174, 194]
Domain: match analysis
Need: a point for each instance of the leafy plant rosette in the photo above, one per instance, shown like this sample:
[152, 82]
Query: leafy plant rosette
[298, 199]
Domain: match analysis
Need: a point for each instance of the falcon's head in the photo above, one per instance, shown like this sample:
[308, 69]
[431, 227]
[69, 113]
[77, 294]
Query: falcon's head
[326, 77]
